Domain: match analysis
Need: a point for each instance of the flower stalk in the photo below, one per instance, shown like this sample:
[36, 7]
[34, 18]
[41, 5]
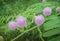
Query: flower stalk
[23, 33]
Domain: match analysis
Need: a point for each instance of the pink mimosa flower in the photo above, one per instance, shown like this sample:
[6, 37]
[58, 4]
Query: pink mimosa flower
[21, 21]
[12, 25]
[47, 11]
[39, 20]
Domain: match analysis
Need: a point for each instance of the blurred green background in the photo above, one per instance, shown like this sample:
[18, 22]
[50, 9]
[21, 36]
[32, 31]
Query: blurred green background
[10, 9]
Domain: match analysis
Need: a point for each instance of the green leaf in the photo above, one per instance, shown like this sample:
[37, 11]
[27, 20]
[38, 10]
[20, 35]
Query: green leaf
[53, 23]
[1, 38]
[51, 32]
[51, 17]
[55, 39]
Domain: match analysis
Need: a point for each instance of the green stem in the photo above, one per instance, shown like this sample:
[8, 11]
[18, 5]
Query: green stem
[40, 33]
[23, 33]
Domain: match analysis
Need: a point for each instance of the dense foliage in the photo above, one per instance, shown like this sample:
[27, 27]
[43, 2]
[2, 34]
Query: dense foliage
[11, 9]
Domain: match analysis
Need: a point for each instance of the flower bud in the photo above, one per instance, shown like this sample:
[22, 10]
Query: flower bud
[1, 38]
[58, 9]
[43, 1]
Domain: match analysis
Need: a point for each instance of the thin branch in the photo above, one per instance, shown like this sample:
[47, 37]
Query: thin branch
[23, 33]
